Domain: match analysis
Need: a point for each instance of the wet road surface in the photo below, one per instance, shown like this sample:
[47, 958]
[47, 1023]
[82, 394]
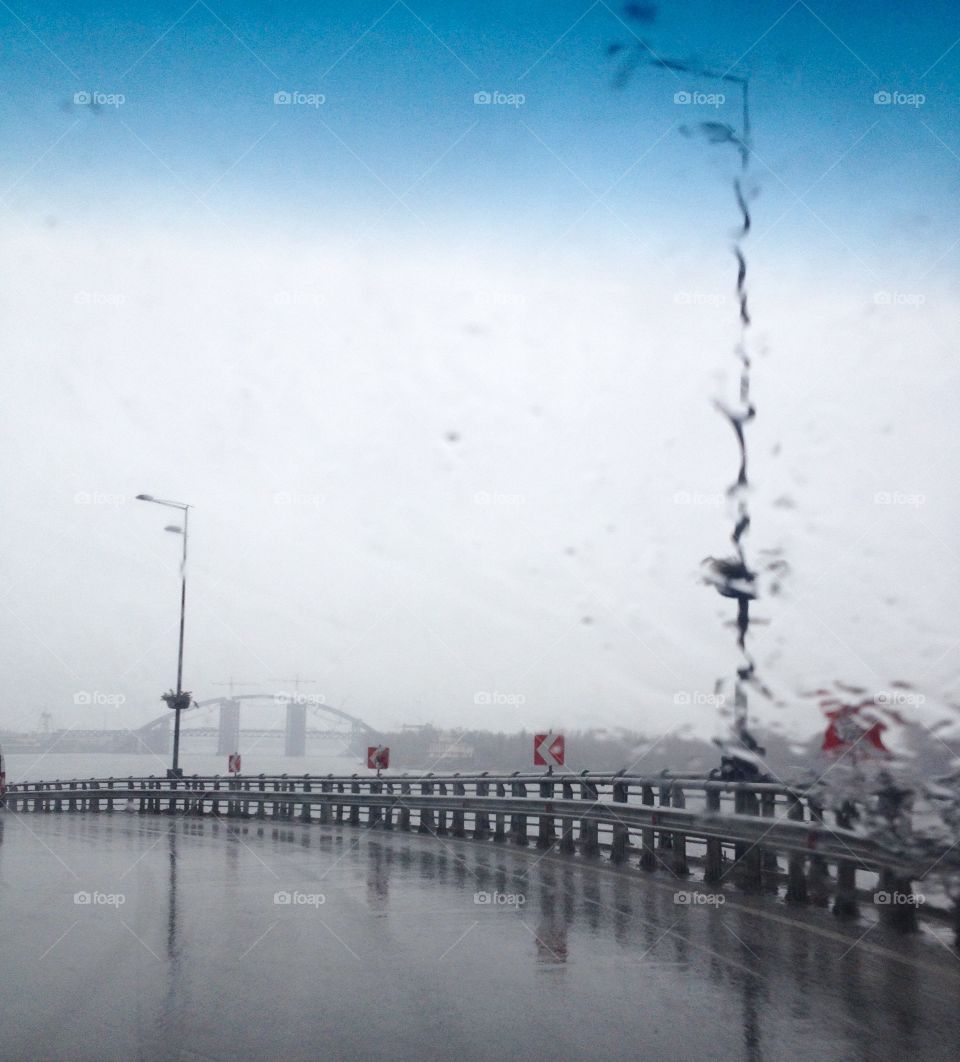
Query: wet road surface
[130, 937]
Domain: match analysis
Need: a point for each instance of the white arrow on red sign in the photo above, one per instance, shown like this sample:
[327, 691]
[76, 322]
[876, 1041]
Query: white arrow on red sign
[548, 750]
[233, 763]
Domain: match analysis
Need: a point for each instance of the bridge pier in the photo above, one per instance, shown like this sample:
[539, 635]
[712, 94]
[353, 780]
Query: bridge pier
[295, 734]
[228, 734]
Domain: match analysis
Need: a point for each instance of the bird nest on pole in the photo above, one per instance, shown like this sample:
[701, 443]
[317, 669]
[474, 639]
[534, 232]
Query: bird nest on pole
[178, 701]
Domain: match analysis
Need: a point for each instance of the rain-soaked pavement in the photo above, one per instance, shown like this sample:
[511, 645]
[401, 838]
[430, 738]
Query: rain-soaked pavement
[386, 949]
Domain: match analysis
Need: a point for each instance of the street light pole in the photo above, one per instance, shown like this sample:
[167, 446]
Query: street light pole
[179, 700]
[183, 613]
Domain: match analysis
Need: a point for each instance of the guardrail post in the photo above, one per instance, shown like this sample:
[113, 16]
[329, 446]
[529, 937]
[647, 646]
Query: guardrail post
[567, 844]
[375, 814]
[441, 812]
[665, 840]
[306, 807]
[769, 863]
[58, 803]
[796, 870]
[426, 814]
[388, 808]
[819, 876]
[110, 797]
[325, 787]
[518, 822]
[338, 808]
[713, 870]
[748, 862]
[261, 812]
[648, 855]
[589, 828]
[620, 843]
[845, 897]
[354, 819]
[72, 803]
[679, 862]
[93, 804]
[457, 818]
[896, 903]
[481, 819]
[546, 835]
[404, 823]
[499, 820]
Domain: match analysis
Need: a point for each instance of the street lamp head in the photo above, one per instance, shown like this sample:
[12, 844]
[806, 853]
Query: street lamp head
[144, 497]
[173, 527]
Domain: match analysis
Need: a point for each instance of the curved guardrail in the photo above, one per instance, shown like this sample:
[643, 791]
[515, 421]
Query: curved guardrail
[736, 831]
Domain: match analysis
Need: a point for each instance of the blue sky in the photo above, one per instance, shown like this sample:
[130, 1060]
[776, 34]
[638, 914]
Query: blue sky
[399, 121]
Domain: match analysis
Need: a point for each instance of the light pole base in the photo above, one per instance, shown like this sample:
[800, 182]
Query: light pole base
[174, 772]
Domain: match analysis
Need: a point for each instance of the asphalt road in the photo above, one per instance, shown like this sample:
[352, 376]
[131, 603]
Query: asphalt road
[129, 937]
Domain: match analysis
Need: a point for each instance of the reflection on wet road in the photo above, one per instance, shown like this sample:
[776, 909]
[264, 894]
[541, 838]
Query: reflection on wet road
[136, 937]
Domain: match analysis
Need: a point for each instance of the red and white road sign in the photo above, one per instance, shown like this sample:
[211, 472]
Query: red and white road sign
[548, 750]
[233, 763]
[378, 757]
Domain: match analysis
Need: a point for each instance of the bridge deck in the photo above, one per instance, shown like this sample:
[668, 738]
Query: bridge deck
[401, 961]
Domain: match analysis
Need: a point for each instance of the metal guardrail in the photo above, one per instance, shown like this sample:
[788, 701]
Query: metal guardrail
[739, 834]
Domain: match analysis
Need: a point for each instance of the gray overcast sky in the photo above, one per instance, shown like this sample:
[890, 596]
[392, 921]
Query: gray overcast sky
[438, 375]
